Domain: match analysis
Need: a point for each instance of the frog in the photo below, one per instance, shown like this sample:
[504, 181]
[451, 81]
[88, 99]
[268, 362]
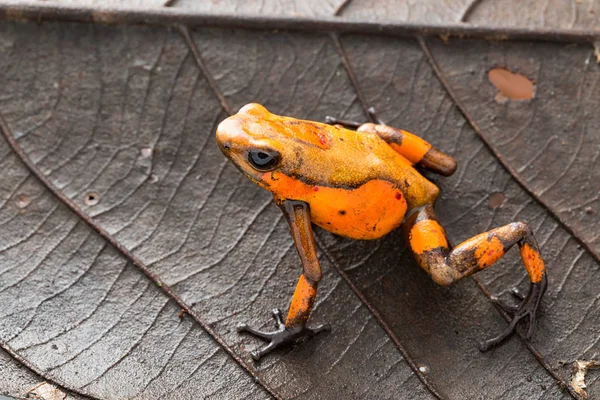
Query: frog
[362, 181]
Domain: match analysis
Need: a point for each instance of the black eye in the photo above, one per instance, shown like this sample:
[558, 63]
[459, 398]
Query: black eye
[263, 160]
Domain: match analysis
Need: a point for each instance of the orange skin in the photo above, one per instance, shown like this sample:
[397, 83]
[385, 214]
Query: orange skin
[361, 184]
[368, 212]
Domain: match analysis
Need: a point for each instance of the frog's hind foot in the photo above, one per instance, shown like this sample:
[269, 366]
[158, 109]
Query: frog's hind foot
[279, 337]
[374, 117]
[527, 309]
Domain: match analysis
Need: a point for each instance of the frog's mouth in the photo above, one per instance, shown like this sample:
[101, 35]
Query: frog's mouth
[238, 160]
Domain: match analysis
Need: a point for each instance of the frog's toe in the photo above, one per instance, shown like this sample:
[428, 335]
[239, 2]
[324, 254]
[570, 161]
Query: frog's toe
[374, 116]
[517, 293]
[345, 123]
[277, 317]
[319, 328]
[255, 332]
[257, 354]
[493, 342]
[509, 308]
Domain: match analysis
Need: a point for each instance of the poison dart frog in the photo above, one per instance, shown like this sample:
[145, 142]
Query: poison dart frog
[360, 181]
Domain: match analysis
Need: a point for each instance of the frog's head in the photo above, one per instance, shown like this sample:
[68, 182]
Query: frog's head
[258, 142]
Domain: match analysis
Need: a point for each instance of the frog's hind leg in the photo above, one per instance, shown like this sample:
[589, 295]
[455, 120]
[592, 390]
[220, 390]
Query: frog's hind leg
[410, 146]
[447, 265]
[413, 148]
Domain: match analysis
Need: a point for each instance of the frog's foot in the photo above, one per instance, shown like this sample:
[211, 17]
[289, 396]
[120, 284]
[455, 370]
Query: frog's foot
[353, 124]
[281, 336]
[374, 117]
[345, 123]
[527, 309]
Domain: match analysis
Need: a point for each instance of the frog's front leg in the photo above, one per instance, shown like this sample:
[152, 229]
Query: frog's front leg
[447, 265]
[297, 214]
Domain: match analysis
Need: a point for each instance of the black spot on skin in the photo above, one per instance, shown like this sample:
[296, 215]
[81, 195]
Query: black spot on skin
[341, 139]
[342, 212]
[328, 223]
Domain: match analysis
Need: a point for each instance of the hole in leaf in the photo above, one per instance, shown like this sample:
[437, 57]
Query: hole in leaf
[146, 152]
[512, 86]
[497, 199]
[91, 198]
[424, 369]
[22, 201]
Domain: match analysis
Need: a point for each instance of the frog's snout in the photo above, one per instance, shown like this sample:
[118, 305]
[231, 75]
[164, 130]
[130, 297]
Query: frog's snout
[227, 132]
[234, 129]
[254, 109]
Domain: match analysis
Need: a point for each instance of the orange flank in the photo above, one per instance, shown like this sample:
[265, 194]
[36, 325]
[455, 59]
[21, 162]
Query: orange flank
[302, 302]
[488, 250]
[367, 212]
[533, 263]
[427, 235]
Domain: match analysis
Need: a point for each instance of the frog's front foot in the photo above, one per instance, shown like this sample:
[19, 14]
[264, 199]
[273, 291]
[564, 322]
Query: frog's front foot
[528, 308]
[281, 336]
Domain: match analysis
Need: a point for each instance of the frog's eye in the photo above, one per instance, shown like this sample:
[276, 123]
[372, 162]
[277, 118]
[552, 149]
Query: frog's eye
[263, 160]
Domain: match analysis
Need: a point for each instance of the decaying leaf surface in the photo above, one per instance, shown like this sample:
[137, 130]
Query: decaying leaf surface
[560, 14]
[513, 13]
[121, 121]
[296, 8]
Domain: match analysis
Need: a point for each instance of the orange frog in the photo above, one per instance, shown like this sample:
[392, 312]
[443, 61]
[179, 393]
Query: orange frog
[359, 181]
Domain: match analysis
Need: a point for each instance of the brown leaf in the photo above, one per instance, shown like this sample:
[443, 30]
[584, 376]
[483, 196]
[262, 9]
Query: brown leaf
[137, 216]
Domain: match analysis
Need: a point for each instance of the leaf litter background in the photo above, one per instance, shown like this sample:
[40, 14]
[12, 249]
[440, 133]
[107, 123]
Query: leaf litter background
[126, 114]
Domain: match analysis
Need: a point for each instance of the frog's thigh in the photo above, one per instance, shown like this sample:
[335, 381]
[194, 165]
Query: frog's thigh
[429, 245]
[413, 148]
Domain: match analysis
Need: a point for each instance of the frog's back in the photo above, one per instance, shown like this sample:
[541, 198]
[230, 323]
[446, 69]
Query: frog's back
[359, 157]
